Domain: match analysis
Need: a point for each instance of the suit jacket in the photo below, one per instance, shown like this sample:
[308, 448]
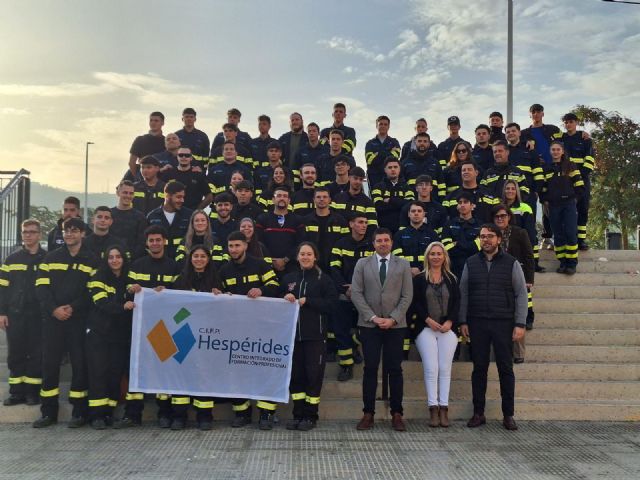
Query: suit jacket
[372, 299]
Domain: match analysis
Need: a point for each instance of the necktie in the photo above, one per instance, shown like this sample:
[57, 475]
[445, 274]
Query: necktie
[383, 270]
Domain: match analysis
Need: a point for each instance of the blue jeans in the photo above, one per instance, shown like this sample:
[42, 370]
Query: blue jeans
[564, 224]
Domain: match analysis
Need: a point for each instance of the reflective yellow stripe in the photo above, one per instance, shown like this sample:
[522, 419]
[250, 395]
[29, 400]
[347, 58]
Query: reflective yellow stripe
[298, 396]
[50, 393]
[15, 380]
[32, 380]
[100, 295]
[312, 228]
[313, 400]
[203, 404]
[162, 396]
[346, 351]
[347, 361]
[78, 393]
[134, 396]
[103, 286]
[113, 403]
[230, 281]
[252, 278]
[86, 269]
[100, 402]
[4, 283]
[58, 266]
[180, 400]
[42, 281]
[266, 405]
[17, 266]
[242, 407]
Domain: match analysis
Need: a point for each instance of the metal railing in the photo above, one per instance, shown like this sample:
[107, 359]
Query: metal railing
[15, 193]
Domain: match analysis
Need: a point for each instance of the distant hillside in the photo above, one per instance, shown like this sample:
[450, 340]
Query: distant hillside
[52, 197]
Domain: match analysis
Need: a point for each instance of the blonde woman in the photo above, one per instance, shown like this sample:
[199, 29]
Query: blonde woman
[436, 301]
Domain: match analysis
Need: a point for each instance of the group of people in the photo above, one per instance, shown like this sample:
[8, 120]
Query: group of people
[443, 245]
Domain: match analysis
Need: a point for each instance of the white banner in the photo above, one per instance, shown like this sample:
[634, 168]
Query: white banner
[201, 344]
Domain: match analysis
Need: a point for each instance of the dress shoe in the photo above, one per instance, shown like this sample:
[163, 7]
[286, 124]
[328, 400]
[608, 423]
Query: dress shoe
[12, 400]
[307, 424]
[570, 271]
[45, 422]
[444, 417]
[77, 422]
[366, 422]
[346, 373]
[509, 423]
[164, 422]
[178, 424]
[477, 420]
[434, 420]
[397, 423]
[126, 422]
[518, 360]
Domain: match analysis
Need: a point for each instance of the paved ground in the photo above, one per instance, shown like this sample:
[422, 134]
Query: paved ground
[335, 450]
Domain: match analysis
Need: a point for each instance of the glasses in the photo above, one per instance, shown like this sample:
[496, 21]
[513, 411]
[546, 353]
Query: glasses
[462, 150]
[184, 155]
[501, 215]
[488, 236]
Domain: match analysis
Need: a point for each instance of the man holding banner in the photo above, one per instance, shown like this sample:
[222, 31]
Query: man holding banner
[253, 277]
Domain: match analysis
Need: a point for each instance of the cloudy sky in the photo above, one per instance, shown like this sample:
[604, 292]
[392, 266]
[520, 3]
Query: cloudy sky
[89, 70]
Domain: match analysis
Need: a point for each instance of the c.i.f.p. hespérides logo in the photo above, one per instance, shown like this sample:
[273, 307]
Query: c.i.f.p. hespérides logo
[176, 346]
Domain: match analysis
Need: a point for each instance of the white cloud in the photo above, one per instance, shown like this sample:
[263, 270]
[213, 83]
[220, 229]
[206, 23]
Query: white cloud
[409, 40]
[352, 47]
[10, 111]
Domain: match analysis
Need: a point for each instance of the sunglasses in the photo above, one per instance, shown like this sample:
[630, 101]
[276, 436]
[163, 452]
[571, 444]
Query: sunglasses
[184, 155]
[462, 150]
[501, 215]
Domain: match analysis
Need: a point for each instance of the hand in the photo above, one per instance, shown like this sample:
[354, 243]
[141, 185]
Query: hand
[278, 264]
[348, 292]
[216, 291]
[384, 323]
[135, 288]
[166, 167]
[290, 297]
[62, 313]
[529, 285]
[302, 301]
[415, 271]
[159, 288]
[531, 145]
[585, 135]
[196, 169]
[518, 334]
[446, 326]
[4, 322]
[129, 305]
[432, 324]
[386, 200]
[464, 330]
[254, 293]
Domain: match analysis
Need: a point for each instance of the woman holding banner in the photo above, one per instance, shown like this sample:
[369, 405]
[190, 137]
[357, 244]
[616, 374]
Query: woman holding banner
[108, 335]
[317, 296]
[199, 275]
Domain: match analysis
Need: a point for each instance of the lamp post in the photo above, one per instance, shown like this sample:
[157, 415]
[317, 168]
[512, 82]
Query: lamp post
[86, 183]
[509, 61]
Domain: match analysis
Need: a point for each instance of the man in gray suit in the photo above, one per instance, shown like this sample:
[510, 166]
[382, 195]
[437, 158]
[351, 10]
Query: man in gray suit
[381, 290]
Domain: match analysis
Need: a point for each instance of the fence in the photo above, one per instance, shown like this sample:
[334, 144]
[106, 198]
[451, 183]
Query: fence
[15, 192]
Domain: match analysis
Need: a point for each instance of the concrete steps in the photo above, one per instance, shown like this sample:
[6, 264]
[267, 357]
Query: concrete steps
[582, 361]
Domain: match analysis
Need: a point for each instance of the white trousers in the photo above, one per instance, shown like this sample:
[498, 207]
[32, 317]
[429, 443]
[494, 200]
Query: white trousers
[437, 350]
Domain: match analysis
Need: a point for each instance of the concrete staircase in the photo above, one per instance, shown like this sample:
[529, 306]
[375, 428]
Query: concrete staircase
[583, 356]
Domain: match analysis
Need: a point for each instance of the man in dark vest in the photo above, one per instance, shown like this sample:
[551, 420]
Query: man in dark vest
[493, 311]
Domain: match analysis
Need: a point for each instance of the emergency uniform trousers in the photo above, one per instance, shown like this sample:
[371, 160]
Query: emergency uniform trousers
[344, 320]
[58, 337]
[107, 362]
[307, 374]
[583, 206]
[24, 359]
[203, 406]
[564, 223]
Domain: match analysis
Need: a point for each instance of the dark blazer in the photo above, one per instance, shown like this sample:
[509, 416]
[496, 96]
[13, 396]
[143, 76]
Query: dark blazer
[421, 308]
[520, 248]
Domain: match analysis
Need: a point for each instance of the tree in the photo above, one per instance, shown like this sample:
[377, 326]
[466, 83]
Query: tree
[615, 203]
[48, 219]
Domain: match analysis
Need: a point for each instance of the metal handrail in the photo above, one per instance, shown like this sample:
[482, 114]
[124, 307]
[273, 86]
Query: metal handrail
[14, 181]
